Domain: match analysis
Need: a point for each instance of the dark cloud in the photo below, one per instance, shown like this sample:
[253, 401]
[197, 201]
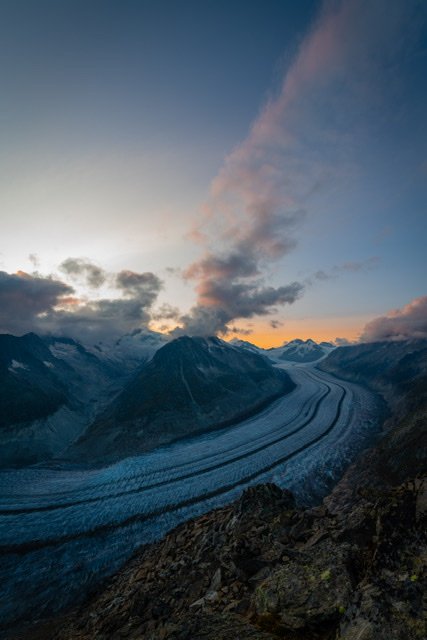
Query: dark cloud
[166, 312]
[97, 320]
[342, 342]
[144, 286]
[240, 331]
[275, 324]
[401, 324]
[24, 298]
[300, 143]
[221, 301]
[109, 318]
[46, 305]
[357, 266]
[78, 268]
[230, 285]
[174, 271]
[319, 275]
[238, 264]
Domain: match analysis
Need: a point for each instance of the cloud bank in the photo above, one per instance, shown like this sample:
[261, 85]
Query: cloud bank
[108, 318]
[400, 324]
[48, 306]
[24, 298]
[299, 144]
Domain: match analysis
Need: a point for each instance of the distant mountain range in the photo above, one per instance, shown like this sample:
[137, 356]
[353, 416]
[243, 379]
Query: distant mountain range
[294, 351]
[60, 399]
[301, 351]
[55, 391]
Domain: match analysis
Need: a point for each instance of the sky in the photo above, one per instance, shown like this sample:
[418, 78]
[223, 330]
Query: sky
[246, 169]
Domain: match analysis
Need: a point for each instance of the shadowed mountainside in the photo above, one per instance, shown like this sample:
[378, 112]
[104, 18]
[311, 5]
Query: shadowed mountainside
[50, 389]
[30, 387]
[398, 371]
[191, 385]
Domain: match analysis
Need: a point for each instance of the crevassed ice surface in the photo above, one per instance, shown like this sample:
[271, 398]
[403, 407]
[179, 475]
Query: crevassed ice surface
[63, 530]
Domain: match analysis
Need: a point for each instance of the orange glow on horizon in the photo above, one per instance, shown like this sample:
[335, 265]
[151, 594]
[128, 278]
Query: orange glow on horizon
[318, 329]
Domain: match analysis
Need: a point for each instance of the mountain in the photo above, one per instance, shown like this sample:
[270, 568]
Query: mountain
[327, 345]
[50, 390]
[394, 369]
[398, 371]
[190, 385]
[95, 370]
[38, 413]
[246, 345]
[30, 387]
[130, 350]
[300, 351]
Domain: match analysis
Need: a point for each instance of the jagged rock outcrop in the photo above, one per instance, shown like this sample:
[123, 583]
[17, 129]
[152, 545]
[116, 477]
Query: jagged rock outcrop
[261, 568]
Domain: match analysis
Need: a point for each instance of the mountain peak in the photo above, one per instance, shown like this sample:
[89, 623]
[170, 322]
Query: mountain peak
[191, 385]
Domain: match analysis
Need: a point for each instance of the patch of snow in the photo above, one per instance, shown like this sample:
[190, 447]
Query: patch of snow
[62, 350]
[15, 365]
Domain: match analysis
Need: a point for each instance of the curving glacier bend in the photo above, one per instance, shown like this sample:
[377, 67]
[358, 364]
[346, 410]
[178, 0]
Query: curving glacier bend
[62, 530]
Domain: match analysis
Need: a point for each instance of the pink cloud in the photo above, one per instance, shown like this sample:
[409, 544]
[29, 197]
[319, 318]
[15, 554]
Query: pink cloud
[299, 142]
[399, 324]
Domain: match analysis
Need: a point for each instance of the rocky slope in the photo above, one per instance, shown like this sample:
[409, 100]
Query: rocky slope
[392, 368]
[398, 371]
[261, 568]
[191, 385]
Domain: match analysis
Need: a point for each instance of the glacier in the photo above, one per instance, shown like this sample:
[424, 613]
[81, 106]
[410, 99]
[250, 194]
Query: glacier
[63, 529]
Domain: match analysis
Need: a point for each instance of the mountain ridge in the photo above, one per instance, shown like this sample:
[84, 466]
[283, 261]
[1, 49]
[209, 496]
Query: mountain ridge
[190, 385]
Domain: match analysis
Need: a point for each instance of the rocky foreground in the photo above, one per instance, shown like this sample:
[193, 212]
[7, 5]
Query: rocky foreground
[261, 568]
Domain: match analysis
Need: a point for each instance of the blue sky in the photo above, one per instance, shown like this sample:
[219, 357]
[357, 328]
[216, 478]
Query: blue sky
[267, 159]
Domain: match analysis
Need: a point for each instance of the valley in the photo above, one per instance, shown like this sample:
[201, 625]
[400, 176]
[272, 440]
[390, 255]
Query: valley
[65, 527]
